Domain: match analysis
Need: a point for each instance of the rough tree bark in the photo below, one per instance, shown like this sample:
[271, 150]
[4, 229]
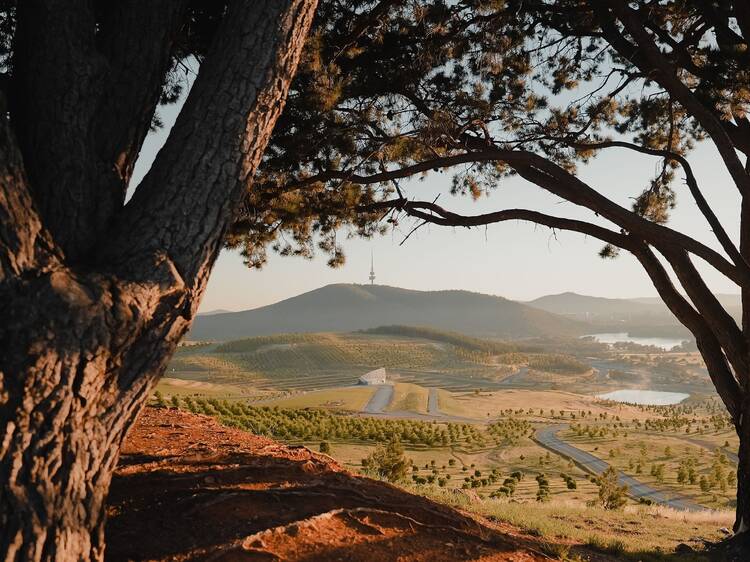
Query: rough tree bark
[88, 325]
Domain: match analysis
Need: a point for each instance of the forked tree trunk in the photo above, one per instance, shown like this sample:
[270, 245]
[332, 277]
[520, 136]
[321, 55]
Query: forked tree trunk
[82, 342]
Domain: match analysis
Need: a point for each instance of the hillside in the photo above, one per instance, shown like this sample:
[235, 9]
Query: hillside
[190, 489]
[343, 308]
[313, 361]
[584, 306]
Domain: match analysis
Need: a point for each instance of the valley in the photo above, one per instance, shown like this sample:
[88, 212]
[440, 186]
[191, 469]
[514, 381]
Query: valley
[486, 423]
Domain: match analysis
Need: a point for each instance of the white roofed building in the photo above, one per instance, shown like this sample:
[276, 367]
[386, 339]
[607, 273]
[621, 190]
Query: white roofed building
[378, 376]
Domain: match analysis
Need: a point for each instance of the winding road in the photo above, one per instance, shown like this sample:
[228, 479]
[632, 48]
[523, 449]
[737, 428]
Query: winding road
[547, 437]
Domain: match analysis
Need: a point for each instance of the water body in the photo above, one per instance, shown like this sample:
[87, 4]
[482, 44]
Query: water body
[616, 337]
[645, 397]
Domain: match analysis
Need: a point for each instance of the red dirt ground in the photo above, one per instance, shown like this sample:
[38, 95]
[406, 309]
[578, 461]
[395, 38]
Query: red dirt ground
[188, 488]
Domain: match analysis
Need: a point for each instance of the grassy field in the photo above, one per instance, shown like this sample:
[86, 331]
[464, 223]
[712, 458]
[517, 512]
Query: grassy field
[484, 405]
[642, 533]
[469, 466]
[526, 457]
[409, 398]
[352, 398]
[636, 453]
[169, 386]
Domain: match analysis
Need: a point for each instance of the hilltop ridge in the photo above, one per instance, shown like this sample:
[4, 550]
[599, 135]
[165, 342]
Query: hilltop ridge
[349, 307]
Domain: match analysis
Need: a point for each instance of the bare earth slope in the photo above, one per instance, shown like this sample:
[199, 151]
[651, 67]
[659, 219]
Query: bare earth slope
[188, 488]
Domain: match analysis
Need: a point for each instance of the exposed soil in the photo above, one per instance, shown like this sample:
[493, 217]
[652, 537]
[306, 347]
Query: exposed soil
[188, 488]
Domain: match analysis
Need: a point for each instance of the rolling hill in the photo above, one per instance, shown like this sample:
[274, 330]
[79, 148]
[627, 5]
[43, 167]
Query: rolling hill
[638, 316]
[347, 307]
[586, 307]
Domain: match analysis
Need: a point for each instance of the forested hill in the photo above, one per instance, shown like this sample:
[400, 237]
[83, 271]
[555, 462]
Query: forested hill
[344, 307]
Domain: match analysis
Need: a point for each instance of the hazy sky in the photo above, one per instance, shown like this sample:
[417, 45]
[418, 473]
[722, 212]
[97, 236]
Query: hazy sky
[515, 260]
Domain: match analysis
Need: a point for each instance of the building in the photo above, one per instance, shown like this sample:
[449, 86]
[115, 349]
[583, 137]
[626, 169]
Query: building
[378, 376]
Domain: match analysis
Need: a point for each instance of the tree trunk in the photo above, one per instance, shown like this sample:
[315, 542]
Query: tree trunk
[742, 518]
[58, 475]
[64, 411]
[83, 343]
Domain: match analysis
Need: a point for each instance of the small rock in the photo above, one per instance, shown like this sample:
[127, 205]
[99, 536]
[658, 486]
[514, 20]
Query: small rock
[683, 548]
[725, 531]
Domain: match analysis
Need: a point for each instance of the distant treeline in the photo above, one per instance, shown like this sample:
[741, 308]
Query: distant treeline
[250, 345]
[453, 338]
[558, 363]
[317, 424]
[504, 353]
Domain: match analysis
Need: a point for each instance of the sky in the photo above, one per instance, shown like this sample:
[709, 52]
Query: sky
[515, 260]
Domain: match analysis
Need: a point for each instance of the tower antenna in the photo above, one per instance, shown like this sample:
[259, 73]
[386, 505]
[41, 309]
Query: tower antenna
[372, 268]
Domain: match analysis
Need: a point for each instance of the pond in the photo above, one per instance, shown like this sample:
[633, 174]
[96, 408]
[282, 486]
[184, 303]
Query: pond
[645, 397]
[615, 337]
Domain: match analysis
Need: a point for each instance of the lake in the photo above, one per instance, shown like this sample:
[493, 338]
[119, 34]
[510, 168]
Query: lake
[645, 397]
[614, 337]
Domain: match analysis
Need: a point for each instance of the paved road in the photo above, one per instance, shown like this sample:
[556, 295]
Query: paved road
[432, 403]
[380, 400]
[548, 438]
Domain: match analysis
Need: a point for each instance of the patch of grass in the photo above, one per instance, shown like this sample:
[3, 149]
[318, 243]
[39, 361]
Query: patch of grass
[352, 398]
[638, 532]
[409, 398]
[560, 551]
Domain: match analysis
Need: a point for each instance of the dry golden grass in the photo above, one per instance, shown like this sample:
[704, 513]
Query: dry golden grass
[478, 406]
[409, 397]
[352, 398]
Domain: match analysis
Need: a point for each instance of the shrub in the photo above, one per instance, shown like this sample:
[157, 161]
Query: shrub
[388, 461]
[611, 494]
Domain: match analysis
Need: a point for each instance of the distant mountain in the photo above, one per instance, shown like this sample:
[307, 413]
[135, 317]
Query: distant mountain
[729, 301]
[591, 308]
[212, 312]
[344, 307]
[640, 312]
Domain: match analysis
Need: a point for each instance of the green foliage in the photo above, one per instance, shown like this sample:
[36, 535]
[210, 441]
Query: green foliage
[543, 492]
[454, 338]
[249, 345]
[557, 363]
[310, 424]
[611, 494]
[325, 447]
[391, 86]
[388, 461]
